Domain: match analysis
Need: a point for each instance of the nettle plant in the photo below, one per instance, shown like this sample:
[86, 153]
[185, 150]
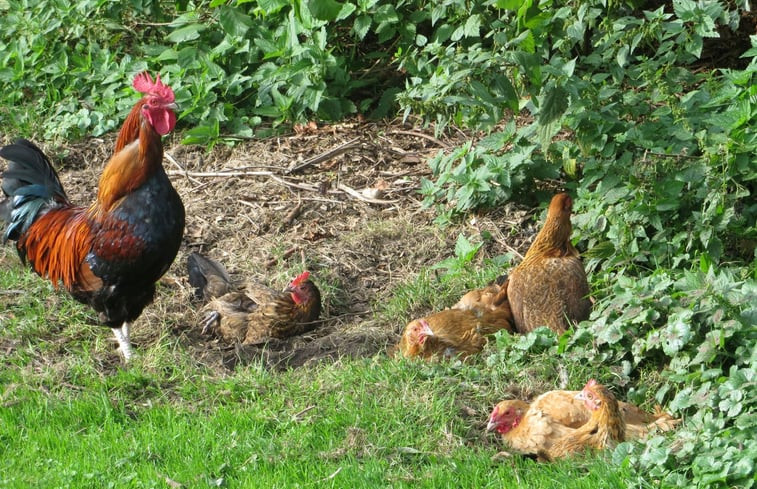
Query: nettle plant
[663, 164]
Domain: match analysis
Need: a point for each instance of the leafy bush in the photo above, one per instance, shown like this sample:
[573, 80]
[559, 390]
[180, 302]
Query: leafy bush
[662, 161]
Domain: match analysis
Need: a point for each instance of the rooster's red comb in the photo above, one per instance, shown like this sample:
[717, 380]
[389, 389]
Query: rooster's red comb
[143, 83]
[299, 279]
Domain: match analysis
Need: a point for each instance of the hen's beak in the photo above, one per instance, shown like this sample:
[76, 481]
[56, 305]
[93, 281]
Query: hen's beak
[579, 396]
[491, 425]
[426, 330]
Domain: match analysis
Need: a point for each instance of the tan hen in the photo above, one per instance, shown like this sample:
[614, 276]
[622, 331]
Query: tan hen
[452, 332]
[549, 286]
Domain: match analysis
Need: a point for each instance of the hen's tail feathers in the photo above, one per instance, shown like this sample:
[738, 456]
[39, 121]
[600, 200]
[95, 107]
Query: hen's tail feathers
[208, 277]
[31, 186]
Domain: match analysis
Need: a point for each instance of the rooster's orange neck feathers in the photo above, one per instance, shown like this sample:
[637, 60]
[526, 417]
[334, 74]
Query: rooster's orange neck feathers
[130, 129]
[138, 154]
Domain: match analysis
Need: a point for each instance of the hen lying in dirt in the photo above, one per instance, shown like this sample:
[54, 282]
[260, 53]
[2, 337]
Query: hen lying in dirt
[549, 286]
[258, 313]
[453, 332]
[533, 429]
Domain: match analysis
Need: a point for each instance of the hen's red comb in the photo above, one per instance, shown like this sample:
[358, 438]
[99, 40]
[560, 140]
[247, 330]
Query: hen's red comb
[299, 279]
[143, 83]
[591, 383]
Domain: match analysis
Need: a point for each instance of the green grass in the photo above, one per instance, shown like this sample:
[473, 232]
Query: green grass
[375, 422]
[68, 421]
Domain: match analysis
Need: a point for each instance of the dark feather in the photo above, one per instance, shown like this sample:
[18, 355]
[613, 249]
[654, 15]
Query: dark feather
[31, 186]
[29, 166]
[208, 277]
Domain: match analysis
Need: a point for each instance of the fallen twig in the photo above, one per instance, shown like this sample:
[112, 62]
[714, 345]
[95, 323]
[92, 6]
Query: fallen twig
[329, 477]
[513, 251]
[297, 416]
[12, 292]
[235, 173]
[422, 135]
[291, 216]
[324, 156]
[300, 186]
[223, 173]
[286, 255]
[359, 196]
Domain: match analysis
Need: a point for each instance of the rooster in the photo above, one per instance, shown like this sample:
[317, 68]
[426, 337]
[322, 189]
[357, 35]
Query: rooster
[549, 286]
[453, 332]
[257, 313]
[108, 255]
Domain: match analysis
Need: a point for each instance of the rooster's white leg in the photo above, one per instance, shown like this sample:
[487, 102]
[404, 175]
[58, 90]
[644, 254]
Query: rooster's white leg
[124, 344]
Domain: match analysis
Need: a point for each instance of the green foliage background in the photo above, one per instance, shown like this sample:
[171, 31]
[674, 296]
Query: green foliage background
[612, 98]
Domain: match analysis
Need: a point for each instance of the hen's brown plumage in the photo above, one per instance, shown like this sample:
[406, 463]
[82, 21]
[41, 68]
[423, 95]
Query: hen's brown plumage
[549, 286]
[492, 297]
[563, 407]
[605, 427]
[525, 428]
[452, 332]
[258, 313]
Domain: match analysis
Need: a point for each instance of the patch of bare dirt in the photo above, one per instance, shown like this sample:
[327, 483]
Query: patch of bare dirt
[341, 201]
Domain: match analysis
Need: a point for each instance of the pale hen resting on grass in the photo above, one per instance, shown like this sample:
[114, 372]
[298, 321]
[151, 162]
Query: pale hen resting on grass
[453, 333]
[561, 409]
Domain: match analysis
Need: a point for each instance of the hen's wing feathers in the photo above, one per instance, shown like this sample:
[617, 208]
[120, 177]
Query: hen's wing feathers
[208, 277]
[260, 292]
[537, 431]
[562, 407]
[547, 291]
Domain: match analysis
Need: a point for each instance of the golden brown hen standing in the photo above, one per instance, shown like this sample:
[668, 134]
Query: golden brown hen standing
[549, 286]
[259, 313]
[452, 332]
[605, 427]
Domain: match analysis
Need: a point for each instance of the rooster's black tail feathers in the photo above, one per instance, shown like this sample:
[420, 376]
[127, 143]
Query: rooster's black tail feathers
[30, 185]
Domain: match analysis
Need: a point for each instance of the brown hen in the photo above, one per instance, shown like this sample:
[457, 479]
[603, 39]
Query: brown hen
[549, 286]
[563, 407]
[493, 297]
[605, 428]
[452, 332]
[526, 429]
[258, 313]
